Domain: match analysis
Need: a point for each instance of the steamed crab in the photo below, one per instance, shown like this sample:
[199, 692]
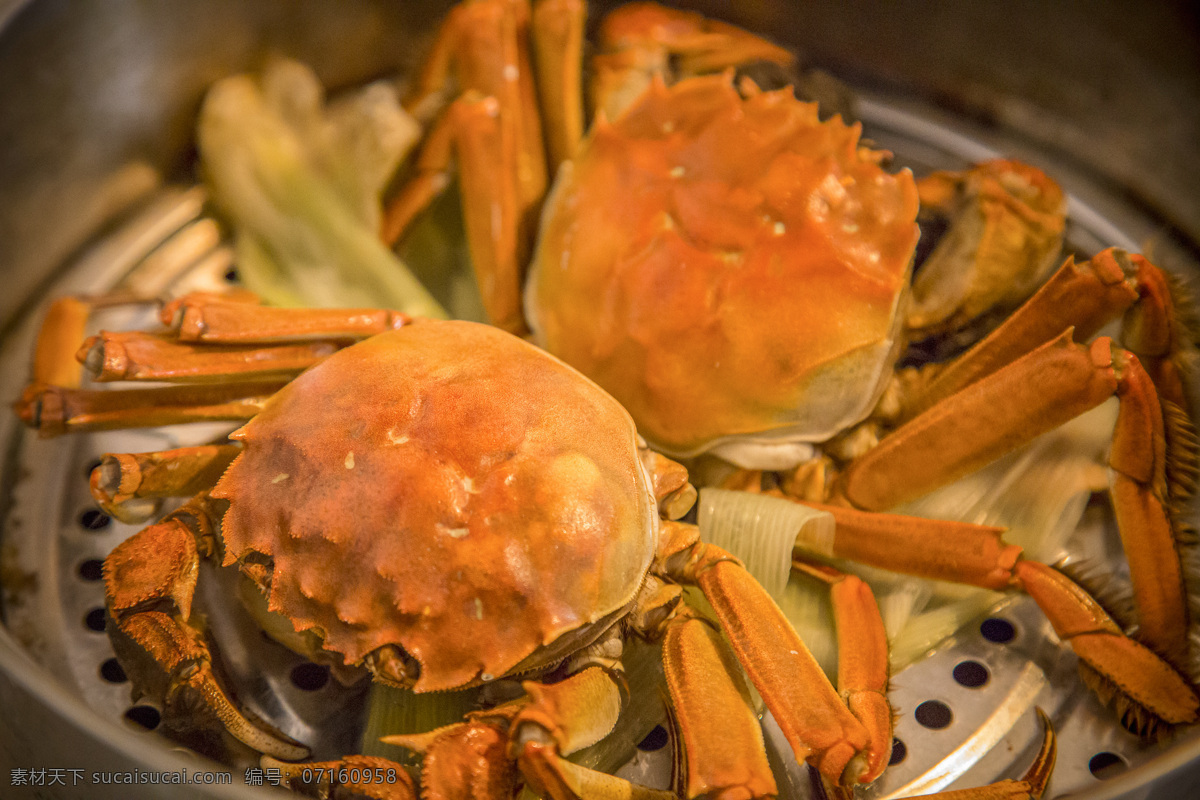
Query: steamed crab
[508, 522]
[739, 275]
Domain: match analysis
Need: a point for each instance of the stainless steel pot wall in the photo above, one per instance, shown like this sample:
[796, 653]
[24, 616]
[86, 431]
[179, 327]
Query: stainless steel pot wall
[97, 103]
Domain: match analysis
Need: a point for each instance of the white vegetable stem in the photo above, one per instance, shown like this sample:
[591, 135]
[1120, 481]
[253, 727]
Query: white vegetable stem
[762, 530]
[300, 187]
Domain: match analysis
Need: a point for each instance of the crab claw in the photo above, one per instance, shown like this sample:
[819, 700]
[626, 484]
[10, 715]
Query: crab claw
[642, 40]
[1006, 222]
[467, 760]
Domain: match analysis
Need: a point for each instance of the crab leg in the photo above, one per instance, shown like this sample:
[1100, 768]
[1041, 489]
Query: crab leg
[150, 580]
[473, 128]
[813, 717]
[206, 318]
[1117, 664]
[139, 356]
[558, 48]
[1085, 296]
[123, 478]
[486, 43]
[62, 330]
[472, 758]
[1052, 384]
[1034, 394]
[53, 411]
[943, 550]
[862, 660]
[720, 733]
[495, 133]
[974, 554]
[722, 745]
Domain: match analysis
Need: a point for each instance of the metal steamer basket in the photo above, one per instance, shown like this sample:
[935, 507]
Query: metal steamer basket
[97, 103]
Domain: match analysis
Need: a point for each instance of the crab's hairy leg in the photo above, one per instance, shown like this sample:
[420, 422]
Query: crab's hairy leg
[379, 778]
[123, 478]
[1143, 685]
[139, 356]
[150, 580]
[722, 741]
[558, 32]
[862, 679]
[1032, 784]
[814, 719]
[1134, 670]
[1034, 394]
[53, 411]
[1139, 492]
[206, 318]
[1085, 296]
[1152, 329]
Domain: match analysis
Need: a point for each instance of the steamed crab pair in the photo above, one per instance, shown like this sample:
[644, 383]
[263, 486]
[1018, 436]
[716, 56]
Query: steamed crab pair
[479, 453]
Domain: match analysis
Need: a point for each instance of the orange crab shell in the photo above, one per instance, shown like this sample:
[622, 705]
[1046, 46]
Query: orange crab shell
[446, 488]
[726, 265]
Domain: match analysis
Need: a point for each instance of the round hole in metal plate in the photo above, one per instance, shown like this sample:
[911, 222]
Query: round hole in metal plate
[144, 716]
[94, 620]
[971, 674]
[94, 520]
[309, 676]
[1105, 765]
[899, 752]
[92, 569]
[997, 630]
[934, 714]
[654, 740]
[112, 671]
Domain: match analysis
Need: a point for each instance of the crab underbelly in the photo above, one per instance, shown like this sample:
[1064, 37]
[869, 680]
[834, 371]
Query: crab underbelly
[469, 504]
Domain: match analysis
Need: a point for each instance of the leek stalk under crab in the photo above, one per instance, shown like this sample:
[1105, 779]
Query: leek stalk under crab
[391, 711]
[301, 190]
[761, 530]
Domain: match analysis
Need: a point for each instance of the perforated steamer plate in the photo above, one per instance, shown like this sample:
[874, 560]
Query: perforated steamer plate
[967, 733]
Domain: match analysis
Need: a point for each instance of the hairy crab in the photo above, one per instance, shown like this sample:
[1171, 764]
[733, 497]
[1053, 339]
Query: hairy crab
[739, 274]
[508, 522]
